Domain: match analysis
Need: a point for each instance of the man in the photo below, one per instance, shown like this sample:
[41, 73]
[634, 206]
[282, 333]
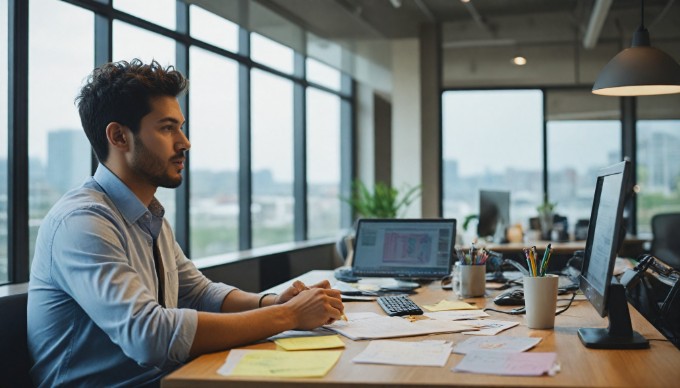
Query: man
[112, 300]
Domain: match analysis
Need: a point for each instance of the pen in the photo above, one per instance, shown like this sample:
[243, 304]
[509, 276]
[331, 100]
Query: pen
[526, 255]
[546, 257]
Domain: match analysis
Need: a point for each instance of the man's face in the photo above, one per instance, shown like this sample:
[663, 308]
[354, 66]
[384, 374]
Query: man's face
[158, 152]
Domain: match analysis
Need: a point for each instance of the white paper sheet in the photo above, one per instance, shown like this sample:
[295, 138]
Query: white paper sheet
[390, 327]
[455, 315]
[490, 326]
[509, 364]
[418, 353]
[499, 343]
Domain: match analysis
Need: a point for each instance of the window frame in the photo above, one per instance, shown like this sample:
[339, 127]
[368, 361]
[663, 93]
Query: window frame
[105, 14]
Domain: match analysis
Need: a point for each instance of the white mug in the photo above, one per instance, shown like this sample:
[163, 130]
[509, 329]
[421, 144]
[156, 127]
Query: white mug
[469, 281]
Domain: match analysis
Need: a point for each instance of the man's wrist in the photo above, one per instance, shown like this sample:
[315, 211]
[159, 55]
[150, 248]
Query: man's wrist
[263, 300]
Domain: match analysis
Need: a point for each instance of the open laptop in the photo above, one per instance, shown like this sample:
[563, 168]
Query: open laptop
[403, 248]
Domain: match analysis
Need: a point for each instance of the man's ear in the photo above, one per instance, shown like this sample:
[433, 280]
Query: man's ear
[118, 136]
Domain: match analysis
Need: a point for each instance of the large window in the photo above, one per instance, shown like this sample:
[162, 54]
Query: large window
[4, 140]
[658, 172]
[577, 150]
[238, 100]
[584, 135]
[131, 42]
[492, 140]
[270, 53]
[61, 53]
[322, 74]
[213, 130]
[161, 12]
[213, 29]
[272, 158]
[323, 163]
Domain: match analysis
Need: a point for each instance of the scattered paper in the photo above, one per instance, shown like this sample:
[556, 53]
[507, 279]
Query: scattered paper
[506, 344]
[445, 305]
[359, 316]
[390, 327]
[310, 343]
[490, 326]
[421, 353]
[274, 363]
[299, 333]
[456, 315]
[509, 364]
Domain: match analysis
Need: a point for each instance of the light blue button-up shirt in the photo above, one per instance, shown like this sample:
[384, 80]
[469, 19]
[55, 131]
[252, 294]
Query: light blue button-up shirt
[93, 313]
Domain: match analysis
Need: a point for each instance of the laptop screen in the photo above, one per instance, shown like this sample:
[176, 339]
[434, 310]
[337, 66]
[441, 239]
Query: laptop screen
[404, 248]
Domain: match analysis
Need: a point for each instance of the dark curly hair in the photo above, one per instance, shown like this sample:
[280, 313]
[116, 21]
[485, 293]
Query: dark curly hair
[122, 92]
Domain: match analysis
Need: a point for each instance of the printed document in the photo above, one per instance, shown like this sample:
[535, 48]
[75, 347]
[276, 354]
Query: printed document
[497, 343]
[490, 326]
[456, 315]
[390, 327]
[419, 353]
[509, 364]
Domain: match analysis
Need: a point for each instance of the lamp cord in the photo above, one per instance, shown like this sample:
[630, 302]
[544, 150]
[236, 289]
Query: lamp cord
[642, 14]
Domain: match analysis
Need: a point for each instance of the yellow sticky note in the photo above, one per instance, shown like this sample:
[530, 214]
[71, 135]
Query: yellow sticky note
[450, 305]
[274, 363]
[310, 343]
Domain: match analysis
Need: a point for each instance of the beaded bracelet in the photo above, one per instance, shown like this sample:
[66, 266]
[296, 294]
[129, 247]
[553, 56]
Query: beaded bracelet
[259, 303]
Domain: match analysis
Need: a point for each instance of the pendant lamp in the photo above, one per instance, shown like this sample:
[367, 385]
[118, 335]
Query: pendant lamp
[640, 70]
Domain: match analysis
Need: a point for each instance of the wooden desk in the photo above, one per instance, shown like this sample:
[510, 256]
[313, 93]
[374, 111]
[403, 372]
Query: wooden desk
[580, 367]
[631, 247]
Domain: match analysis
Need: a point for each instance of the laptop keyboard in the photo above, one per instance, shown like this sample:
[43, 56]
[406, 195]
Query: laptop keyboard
[398, 305]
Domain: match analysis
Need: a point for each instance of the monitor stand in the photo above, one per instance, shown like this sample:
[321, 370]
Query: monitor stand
[619, 334]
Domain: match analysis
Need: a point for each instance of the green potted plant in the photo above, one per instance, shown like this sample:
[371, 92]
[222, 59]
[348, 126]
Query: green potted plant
[383, 202]
[546, 215]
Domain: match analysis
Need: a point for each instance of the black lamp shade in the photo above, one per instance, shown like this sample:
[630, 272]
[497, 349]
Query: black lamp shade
[641, 70]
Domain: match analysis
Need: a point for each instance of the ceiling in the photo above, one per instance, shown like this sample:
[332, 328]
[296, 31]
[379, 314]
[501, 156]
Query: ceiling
[396, 19]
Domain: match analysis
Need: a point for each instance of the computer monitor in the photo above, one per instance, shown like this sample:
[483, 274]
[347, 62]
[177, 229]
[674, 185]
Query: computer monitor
[605, 234]
[494, 214]
[404, 248]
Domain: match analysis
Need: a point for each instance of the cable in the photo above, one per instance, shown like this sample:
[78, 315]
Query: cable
[522, 310]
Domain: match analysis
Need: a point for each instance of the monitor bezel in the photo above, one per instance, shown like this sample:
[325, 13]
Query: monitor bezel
[445, 271]
[599, 299]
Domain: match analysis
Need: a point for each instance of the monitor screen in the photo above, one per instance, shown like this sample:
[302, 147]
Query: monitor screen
[404, 248]
[494, 214]
[603, 234]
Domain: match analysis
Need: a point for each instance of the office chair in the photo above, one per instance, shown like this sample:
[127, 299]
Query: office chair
[14, 359]
[344, 249]
[666, 239]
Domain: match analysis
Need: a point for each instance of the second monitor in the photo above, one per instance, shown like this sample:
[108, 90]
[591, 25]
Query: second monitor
[494, 214]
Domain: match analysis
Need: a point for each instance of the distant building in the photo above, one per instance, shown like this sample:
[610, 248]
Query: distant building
[68, 159]
[659, 153]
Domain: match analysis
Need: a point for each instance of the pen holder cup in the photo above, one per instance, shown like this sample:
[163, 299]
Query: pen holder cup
[540, 301]
[470, 280]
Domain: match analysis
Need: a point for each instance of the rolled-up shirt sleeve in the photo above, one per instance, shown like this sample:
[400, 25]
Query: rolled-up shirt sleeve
[90, 263]
[195, 290]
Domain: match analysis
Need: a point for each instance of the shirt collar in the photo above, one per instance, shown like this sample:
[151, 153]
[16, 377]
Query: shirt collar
[123, 198]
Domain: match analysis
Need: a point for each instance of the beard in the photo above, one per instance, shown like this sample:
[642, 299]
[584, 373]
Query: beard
[146, 164]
